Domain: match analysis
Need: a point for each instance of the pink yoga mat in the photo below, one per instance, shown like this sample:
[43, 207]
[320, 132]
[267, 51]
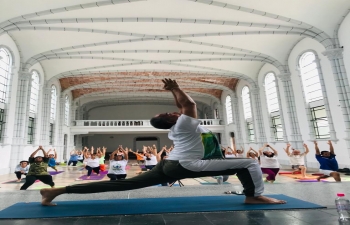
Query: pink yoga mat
[92, 177]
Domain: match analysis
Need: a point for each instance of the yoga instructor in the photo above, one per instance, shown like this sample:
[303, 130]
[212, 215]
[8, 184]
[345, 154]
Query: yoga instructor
[196, 153]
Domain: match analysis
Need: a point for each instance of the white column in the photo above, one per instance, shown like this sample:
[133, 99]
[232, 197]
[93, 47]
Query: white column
[296, 138]
[45, 116]
[236, 117]
[60, 123]
[258, 116]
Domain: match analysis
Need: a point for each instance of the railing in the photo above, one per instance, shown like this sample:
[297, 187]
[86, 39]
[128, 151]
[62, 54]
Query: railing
[131, 123]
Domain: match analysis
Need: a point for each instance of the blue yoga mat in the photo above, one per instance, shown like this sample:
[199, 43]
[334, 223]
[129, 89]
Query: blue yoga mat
[145, 206]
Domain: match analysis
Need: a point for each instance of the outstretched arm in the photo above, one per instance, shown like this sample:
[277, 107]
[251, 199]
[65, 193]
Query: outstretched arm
[262, 149]
[126, 153]
[316, 148]
[256, 153]
[54, 150]
[287, 149]
[104, 151]
[306, 149]
[160, 154]
[45, 154]
[242, 149]
[331, 148]
[34, 153]
[184, 102]
[274, 150]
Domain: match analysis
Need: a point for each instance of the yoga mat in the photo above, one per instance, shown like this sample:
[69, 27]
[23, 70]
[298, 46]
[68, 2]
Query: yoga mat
[53, 173]
[92, 177]
[22, 181]
[146, 206]
[214, 183]
[289, 172]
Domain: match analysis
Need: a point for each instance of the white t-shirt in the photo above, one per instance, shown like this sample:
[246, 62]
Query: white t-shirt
[240, 155]
[230, 156]
[297, 159]
[117, 167]
[80, 157]
[186, 135]
[151, 162]
[267, 162]
[93, 162]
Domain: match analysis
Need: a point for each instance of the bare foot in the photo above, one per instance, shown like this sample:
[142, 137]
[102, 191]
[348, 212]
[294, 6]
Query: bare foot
[263, 200]
[47, 195]
[18, 181]
[98, 174]
[88, 178]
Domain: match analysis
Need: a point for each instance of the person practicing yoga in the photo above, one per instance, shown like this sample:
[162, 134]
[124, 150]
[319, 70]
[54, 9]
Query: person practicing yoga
[240, 152]
[52, 160]
[117, 164]
[92, 163]
[230, 153]
[328, 162]
[196, 153]
[101, 155]
[73, 158]
[297, 159]
[21, 169]
[150, 156]
[269, 163]
[38, 170]
[252, 154]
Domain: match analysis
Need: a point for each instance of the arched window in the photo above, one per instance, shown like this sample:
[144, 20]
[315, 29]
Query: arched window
[229, 109]
[313, 94]
[273, 106]
[5, 67]
[34, 93]
[247, 109]
[66, 111]
[53, 102]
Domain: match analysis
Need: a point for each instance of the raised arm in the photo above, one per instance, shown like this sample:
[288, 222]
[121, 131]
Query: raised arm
[45, 154]
[256, 153]
[159, 154]
[233, 150]
[92, 150]
[154, 150]
[34, 153]
[262, 149]
[274, 150]
[104, 151]
[316, 148]
[242, 148]
[287, 149]
[306, 149]
[54, 150]
[184, 102]
[331, 148]
[113, 154]
[72, 152]
[126, 153]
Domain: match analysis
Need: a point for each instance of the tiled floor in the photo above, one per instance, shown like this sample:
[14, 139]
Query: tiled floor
[322, 193]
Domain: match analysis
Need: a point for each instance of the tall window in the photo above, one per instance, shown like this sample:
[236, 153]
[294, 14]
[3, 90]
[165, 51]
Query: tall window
[53, 102]
[34, 93]
[247, 109]
[30, 130]
[313, 94]
[2, 121]
[5, 67]
[229, 109]
[66, 111]
[273, 106]
[216, 113]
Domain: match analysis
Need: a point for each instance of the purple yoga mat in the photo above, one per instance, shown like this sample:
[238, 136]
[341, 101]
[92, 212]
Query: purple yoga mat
[92, 177]
[22, 181]
[142, 166]
[53, 173]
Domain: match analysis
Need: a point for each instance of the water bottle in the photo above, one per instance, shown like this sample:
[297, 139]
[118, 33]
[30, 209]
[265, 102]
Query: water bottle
[343, 207]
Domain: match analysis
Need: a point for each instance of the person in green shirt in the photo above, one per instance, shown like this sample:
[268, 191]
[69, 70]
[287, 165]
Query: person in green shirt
[38, 170]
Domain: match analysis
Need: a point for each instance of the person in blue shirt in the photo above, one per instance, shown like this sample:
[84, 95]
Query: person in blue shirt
[73, 158]
[328, 162]
[52, 159]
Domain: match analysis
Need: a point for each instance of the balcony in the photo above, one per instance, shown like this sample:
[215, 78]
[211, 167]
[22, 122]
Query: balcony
[130, 126]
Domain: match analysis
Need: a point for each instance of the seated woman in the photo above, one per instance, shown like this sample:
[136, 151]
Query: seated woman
[92, 164]
[21, 169]
[38, 170]
[117, 164]
[150, 157]
[52, 160]
[80, 156]
[269, 163]
[73, 158]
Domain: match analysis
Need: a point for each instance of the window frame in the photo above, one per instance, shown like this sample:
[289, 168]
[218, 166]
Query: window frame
[315, 122]
[34, 97]
[2, 118]
[229, 111]
[53, 105]
[30, 133]
[66, 110]
[7, 73]
[51, 133]
[250, 130]
[275, 129]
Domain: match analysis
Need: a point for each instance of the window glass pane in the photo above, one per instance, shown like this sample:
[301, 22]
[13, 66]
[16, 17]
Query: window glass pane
[66, 111]
[277, 127]
[320, 122]
[246, 103]
[271, 93]
[5, 65]
[34, 93]
[310, 77]
[30, 130]
[229, 109]
[53, 102]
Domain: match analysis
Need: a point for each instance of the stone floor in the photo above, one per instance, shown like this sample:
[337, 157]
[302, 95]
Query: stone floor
[322, 193]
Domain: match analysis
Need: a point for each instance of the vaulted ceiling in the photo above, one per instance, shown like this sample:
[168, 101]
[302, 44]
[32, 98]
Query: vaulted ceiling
[104, 49]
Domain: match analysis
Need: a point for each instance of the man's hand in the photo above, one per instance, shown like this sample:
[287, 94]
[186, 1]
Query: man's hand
[329, 142]
[169, 84]
[305, 145]
[315, 142]
[288, 145]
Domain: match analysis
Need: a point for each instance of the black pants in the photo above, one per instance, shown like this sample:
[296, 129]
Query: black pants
[19, 174]
[165, 172]
[74, 163]
[90, 169]
[30, 179]
[149, 167]
[116, 176]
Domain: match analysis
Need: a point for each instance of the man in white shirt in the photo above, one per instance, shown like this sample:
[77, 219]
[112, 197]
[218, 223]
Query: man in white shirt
[196, 153]
[297, 159]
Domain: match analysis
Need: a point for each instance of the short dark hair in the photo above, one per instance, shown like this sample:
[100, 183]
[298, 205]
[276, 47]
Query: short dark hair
[323, 152]
[160, 123]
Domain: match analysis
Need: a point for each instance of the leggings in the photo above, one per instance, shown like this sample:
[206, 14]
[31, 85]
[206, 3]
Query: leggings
[272, 172]
[30, 179]
[150, 167]
[116, 176]
[19, 174]
[90, 169]
[74, 163]
[248, 172]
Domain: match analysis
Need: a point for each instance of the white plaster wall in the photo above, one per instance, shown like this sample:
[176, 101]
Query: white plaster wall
[128, 112]
[127, 140]
[344, 37]
[231, 127]
[340, 146]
